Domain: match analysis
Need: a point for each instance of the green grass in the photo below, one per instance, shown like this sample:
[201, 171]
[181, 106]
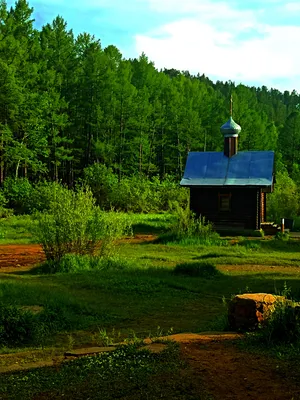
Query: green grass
[148, 293]
[154, 224]
[154, 285]
[17, 230]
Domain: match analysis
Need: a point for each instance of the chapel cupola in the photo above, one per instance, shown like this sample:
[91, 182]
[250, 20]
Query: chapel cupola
[230, 130]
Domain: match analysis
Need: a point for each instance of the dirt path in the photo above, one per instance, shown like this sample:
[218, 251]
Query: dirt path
[231, 374]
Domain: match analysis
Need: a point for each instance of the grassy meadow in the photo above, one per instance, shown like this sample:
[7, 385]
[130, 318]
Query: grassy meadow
[149, 288]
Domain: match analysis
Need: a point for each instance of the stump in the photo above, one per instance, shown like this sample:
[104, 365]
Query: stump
[248, 311]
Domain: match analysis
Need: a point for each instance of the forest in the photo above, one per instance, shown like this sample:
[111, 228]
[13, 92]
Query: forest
[69, 106]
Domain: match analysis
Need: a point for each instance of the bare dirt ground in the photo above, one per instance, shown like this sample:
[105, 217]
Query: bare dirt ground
[228, 372]
[21, 257]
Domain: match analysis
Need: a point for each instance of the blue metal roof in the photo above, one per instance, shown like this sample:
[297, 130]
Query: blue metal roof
[246, 168]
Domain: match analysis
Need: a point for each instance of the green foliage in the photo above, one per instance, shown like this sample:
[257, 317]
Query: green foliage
[203, 269]
[188, 225]
[18, 192]
[133, 194]
[17, 229]
[72, 263]
[69, 225]
[73, 224]
[103, 183]
[109, 227]
[69, 103]
[16, 326]
[283, 236]
[3, 200]
[284, 201]
[19, 327]
[189, 230]
[283, 326]
[42, 195]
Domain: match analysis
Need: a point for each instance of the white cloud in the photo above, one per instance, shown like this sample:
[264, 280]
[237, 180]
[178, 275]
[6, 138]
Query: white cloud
[292, 7]
[219, 42]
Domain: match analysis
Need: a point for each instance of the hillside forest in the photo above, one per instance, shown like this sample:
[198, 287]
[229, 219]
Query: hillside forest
[73, 111]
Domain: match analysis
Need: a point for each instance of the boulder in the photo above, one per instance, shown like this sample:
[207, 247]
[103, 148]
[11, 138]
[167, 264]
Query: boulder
[248, 311]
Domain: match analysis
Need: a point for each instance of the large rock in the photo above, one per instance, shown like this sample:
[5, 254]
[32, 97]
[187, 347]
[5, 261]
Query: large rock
[248, 311]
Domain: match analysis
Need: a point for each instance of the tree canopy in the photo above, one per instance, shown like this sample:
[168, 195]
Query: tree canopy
[67, 103]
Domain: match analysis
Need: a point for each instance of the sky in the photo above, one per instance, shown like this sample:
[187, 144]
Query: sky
[254, 42]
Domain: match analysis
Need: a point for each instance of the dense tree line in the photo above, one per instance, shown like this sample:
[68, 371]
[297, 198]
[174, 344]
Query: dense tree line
[67, 103]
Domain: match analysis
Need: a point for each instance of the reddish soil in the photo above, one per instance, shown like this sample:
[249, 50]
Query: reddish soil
[21, 257]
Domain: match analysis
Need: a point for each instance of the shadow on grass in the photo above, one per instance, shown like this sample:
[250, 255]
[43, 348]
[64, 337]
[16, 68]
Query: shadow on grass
[198, 269]
[289, 246]
[149, 229]
[210, 255]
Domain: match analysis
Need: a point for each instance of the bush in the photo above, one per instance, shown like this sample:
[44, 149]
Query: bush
[3, 200]
[190, 230]
[74, 224]
[103, 183]
[18, 192]
[133, 194]
[188, 225]
[283, 326]
[284, 236]
[22, 327]
[42, 195]
[16, 326]
[68, 226]
[199, 269]
[284, 201]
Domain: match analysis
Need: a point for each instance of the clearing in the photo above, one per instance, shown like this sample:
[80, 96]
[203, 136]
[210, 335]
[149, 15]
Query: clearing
[218, 367]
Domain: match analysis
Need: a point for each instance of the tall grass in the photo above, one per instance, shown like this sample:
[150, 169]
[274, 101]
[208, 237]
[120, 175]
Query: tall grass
[190, 230]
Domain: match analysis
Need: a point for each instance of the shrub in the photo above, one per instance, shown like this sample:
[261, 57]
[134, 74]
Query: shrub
[16, 326]
[188, 225]
[199, 269]
[283, 326]
[284, 236]
[188, 229]
[3, 200]
[74, 224]
[284, 201]
[19, 327]
[18, 192]
[42, 195]
[133, 194]
[68, 226]
[103, 183]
